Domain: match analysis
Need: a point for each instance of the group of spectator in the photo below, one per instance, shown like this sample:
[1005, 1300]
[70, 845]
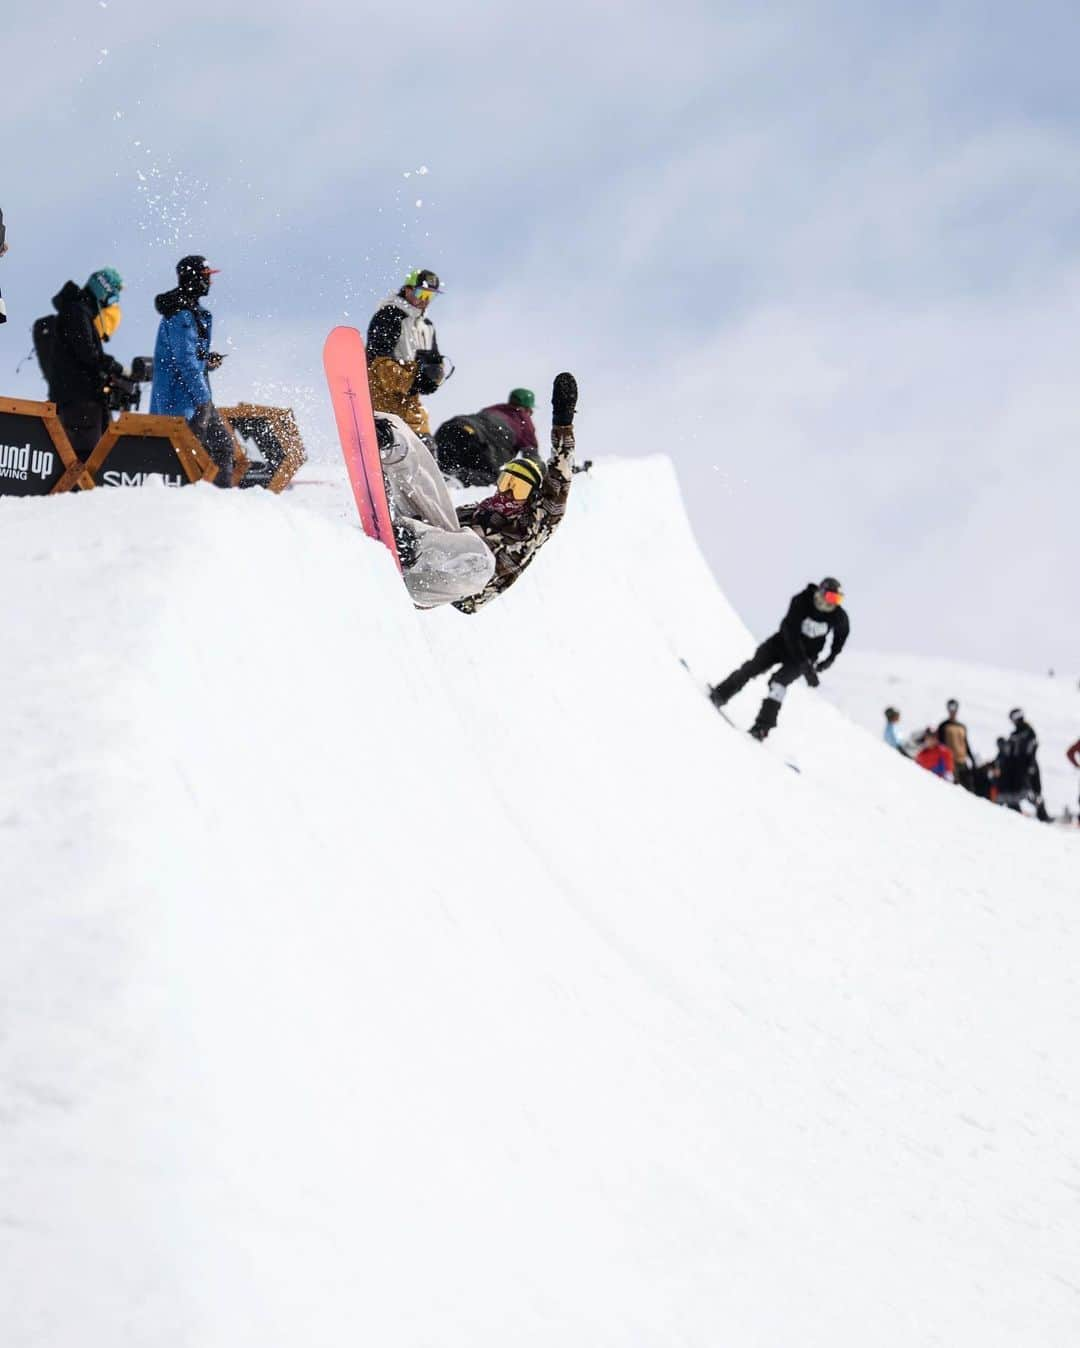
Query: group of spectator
[87, 384]
[1009, 778]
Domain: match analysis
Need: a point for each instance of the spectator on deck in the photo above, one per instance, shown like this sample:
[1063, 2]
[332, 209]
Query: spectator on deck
[404, 361]
[183, 362]
[79, 372]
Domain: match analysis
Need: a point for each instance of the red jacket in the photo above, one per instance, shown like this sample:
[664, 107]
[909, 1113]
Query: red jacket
[936, 758]
[1072, 753]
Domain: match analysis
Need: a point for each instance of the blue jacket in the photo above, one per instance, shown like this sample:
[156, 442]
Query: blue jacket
[183, 344]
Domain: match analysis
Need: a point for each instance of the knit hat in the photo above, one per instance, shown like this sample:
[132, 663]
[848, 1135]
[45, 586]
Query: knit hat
[105, 286]
[522, 397]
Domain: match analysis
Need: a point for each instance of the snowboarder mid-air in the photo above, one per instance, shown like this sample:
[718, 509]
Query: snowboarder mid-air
[812, 615]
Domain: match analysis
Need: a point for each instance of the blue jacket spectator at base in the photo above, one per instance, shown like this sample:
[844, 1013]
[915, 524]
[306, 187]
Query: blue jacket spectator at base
[183, 362]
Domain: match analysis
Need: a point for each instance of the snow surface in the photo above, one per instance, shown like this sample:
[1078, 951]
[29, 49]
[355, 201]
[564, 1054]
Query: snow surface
[864, 684]
[375, 976]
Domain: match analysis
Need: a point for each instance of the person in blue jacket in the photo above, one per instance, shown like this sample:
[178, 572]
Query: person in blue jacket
[183, 362]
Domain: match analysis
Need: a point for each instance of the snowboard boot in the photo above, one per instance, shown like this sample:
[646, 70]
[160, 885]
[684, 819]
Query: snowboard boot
[766, 718]
[564, 395]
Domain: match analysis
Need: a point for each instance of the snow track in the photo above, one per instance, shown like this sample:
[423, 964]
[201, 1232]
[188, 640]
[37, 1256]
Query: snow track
[410, 979]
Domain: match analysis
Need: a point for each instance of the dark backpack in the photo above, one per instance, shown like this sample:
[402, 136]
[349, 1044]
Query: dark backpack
[44, 334]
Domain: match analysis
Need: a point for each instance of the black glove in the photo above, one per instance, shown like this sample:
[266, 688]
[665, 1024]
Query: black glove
[810, 674]
[214, 359]
[430, 371]
[825, 664]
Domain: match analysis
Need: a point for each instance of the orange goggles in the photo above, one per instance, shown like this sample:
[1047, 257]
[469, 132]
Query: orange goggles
[833, 597]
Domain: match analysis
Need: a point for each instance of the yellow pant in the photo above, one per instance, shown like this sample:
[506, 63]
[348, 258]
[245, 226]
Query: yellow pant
[390, 384]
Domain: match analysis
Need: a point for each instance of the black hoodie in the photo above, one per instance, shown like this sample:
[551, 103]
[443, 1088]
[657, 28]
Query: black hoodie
[80, 368]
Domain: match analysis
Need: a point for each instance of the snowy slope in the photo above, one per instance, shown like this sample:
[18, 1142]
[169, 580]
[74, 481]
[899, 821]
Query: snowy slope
[384, 977]
[863, 684]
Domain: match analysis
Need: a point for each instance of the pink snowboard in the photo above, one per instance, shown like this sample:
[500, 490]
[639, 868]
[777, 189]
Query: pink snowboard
[345, 362]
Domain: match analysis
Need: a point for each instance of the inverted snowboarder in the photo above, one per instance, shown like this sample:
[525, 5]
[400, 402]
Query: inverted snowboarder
[813, 615]
[468, 556]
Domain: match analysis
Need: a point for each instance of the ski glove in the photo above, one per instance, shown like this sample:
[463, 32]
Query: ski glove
[825, 664]
[430, 372]
[811, 675]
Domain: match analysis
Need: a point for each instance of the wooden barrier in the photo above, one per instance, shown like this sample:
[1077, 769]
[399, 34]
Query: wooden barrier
[136, 447]
[274, 432]
[36, 458]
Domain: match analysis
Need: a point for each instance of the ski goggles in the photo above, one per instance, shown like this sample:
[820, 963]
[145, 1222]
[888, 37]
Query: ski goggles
[832, 598]
[518, 479]
[425, 293]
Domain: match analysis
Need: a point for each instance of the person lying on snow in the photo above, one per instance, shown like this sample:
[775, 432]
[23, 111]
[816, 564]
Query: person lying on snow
[812, 615]
[467, 556]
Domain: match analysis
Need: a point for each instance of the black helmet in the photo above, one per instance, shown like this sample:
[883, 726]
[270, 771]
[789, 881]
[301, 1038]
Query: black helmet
[423, 279]
[194, 275]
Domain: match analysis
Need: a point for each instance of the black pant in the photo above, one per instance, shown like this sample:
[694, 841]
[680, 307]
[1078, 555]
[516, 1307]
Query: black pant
[769, 653]
[216, 438]
[85, 424]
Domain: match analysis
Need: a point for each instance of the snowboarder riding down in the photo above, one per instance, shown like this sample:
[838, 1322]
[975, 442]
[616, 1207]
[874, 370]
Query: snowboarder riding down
[468, 556]
[812, 615]
[403, 353]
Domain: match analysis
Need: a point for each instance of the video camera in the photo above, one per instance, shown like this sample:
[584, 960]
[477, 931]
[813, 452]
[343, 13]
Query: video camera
[123, 392]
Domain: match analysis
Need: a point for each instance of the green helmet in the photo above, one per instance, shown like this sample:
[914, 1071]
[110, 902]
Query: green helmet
[105, 286]
[522, 397]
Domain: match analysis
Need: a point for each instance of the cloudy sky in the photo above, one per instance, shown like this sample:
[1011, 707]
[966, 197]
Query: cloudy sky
[824, 255]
